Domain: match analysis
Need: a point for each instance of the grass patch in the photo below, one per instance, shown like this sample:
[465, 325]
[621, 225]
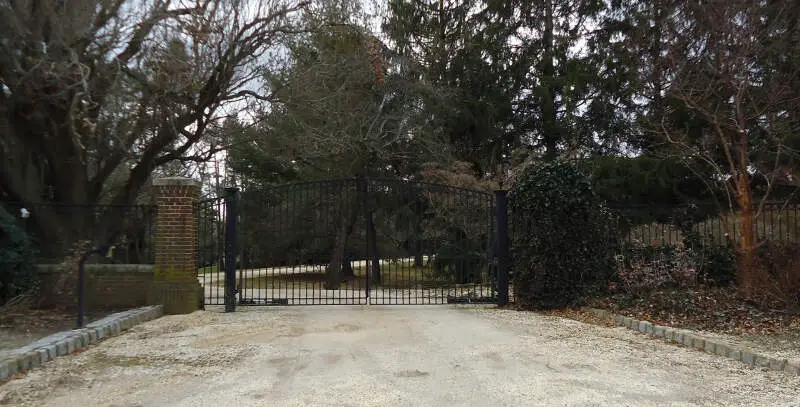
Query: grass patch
[393, 276]
[214, 268]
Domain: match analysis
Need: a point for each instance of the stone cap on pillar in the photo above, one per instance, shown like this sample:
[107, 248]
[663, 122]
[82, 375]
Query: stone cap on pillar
[176, 182]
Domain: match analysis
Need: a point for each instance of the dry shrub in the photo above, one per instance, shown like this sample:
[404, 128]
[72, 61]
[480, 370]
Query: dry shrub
[779, 280]
[458, 174]
[644, 268]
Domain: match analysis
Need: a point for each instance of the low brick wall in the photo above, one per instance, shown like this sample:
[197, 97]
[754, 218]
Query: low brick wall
[108, 286]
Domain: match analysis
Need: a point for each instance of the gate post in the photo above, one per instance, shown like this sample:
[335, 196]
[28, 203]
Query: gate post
[372, 262]
[231, 213]
[502, 246]
[175, 284]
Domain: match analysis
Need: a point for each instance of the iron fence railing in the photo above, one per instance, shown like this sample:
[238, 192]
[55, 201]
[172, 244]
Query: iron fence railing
[668, 225]
[211, 248]
[55, 228]
[351, 241]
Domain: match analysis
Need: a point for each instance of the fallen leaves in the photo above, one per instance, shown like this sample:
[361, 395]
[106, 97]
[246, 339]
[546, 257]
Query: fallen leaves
[714, 309]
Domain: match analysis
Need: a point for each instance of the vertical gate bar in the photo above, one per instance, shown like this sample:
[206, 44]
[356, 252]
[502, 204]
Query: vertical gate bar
[489, 241]
[269, 278]
[220, 243]
[214, 236]
[230, 249]
[200, 247]
[370, 239]
[219, 237]
[345, 215]
[291, 279]
[502, 247]
[282, 281]
[322, 225]
[394, 295]
[246, 286]
[454, 259]
[325, 192]
[238, 253]
[349, 295]
[345, 208]
[213, 260]
[245, 253]
[307, 193]
[488, 253]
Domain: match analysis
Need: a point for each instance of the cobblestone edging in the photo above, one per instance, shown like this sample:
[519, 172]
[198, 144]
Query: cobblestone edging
[64, 343]
[692, 339]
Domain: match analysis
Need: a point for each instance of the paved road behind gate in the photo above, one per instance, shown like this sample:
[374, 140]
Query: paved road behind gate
[391, 356]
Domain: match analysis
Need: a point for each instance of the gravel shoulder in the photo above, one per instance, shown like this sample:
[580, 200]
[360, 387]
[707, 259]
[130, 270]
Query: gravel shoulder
[779, 346]
[391, 355]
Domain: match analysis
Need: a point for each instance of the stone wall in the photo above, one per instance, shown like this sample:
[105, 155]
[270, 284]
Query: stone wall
[108, 286]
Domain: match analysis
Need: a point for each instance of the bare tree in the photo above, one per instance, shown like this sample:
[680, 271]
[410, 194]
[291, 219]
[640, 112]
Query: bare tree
[728, 68]
[101, 90]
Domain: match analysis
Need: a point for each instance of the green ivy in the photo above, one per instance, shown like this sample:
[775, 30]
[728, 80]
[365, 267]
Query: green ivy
[17, 256]
[561, 237]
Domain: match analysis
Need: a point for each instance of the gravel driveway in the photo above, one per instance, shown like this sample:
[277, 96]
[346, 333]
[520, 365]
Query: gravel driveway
[395, 356]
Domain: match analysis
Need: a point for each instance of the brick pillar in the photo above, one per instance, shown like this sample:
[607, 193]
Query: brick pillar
[175, 284]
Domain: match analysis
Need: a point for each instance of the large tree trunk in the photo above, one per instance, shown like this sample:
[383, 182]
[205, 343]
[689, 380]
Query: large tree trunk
[375, 260]
[51, 182]
[550, 132]
[333, 275]
[335, 272]
[419, 259]
[347, 268]
[417, 245]
[747, 273]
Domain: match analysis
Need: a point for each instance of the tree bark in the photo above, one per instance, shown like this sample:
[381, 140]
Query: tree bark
[347, 268]
[333, 275]
[419, 260]
[748, 272]
[335, 271]
[375, 260]
[550, 133]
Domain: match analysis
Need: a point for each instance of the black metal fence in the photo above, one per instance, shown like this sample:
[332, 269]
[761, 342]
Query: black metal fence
[667, 225]
[54, 229]
[352, 242]
[211, 214]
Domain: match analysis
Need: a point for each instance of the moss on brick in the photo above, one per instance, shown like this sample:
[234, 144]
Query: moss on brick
[176, 297]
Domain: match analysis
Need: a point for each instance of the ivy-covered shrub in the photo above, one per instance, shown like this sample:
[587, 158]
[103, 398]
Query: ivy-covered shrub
[17, 255]
[561, 237]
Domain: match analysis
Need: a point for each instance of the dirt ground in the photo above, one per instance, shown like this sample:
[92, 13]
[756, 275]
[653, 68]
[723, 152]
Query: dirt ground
[391, 356]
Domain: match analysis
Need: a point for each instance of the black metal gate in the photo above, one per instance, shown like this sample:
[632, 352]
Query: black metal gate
[354, 241]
